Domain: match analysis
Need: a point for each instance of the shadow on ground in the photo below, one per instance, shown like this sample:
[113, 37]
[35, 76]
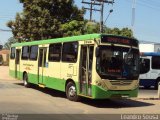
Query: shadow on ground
[105, 103]
[116, 103]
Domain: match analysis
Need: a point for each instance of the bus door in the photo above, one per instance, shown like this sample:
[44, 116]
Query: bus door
[85, 78]
[17, 61]
[41, 64]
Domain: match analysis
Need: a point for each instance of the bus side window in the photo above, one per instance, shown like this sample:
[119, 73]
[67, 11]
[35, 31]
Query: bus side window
[25, 53]
[144, 65]
[55, 52]
[33, 52]
[156, 62]
[12, 53]
[70, 52]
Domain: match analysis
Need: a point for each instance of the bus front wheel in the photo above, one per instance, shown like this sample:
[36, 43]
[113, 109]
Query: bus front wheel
[25, 80]
[71, 92]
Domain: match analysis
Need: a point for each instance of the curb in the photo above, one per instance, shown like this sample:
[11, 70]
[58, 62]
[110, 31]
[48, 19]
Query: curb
[148, 98]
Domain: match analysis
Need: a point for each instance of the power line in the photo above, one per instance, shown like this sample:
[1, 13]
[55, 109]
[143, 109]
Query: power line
[156, 4]
[148, 4]
[100, 4]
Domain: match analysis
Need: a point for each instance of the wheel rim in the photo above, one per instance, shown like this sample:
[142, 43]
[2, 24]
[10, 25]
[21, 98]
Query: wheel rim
[72, 91]
[25, 81]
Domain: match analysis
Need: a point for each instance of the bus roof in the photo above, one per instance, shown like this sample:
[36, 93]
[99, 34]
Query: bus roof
[64, 39]
[57, 40]
[150, 53]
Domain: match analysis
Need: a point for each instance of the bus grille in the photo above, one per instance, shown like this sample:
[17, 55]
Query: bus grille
[121, 82]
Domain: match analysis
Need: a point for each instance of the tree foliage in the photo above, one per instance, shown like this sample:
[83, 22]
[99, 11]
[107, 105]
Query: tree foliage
[123, 32]
[43, 19]
[94, 27]
[10, 41]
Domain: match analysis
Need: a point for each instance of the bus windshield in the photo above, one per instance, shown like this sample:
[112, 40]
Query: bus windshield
[116, 62]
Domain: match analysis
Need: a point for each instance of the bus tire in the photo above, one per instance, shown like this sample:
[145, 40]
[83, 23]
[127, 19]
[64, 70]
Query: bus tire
[157, 82]
[71, 92]
[25, 80]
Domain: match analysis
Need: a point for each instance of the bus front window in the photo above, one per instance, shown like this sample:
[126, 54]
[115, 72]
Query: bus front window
[118, 62]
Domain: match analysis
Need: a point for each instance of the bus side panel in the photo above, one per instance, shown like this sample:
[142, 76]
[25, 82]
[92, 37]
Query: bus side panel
[12, 68]
[33, 72]
[69, 71]
[55, 83]
[33, 78]
[31, 68]
[52, 76]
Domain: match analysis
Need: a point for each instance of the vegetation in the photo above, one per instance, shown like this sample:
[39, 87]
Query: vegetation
[10, 41]
[44, 19]
[93, 27]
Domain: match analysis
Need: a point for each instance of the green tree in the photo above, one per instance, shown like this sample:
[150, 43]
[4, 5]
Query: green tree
[43, 19]
[122, 32]
[10, 41]
[94, 27]
[91, 27]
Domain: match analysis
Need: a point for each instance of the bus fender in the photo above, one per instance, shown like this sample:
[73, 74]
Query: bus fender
[67, 81]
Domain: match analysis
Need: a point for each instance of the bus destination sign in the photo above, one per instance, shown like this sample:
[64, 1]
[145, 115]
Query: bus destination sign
[119, 40]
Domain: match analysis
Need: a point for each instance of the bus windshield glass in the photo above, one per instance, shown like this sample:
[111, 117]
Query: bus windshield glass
[115, 62]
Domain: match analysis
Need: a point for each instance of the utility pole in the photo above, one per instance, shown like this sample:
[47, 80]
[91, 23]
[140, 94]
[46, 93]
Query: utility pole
[101, 20]
[99, 3]
[133, 14]
[91, 9]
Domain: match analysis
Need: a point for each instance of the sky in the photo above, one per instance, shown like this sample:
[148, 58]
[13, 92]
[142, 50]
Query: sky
[146, 25]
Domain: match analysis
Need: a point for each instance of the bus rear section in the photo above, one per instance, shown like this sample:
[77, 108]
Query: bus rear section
[149, 69]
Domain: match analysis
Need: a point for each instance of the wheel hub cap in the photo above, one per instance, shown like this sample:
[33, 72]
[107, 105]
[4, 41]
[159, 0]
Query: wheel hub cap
[72, 91]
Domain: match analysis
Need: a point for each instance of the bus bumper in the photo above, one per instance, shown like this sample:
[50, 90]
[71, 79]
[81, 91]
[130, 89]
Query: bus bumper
[99, 93]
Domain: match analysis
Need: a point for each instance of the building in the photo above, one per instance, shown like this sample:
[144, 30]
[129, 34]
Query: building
[4, 57]
[146, 46]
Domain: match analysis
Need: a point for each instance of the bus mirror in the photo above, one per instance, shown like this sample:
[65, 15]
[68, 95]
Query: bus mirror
[97, 52]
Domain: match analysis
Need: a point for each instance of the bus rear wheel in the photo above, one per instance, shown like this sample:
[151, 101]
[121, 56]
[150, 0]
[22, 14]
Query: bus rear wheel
[25, 80]
[71, 92]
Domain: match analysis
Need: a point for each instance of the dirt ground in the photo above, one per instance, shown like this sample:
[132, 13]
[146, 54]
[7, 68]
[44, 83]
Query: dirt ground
[15, 98]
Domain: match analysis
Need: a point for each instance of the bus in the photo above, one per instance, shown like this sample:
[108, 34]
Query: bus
[149, 69]
[95, 66]
[1, 59]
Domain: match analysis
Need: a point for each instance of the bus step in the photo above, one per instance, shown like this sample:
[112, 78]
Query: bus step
[41, 85]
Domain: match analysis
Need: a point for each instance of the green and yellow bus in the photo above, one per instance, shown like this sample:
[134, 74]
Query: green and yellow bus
[95, 66]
